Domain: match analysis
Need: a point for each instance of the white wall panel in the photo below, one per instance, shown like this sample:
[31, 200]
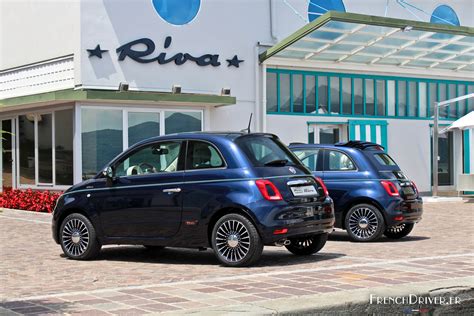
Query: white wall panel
[37, 78]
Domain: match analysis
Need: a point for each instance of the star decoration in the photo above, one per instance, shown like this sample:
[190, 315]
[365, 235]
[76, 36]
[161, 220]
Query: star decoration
[97, 52]
[234, 61]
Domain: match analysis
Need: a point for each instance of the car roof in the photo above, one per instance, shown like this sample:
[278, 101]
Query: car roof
[230, 135]
[361, 145]
[302, 145]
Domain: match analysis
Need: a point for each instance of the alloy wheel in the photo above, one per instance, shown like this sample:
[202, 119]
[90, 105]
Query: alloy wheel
[363, 223]
[233, 240]
[75, 237]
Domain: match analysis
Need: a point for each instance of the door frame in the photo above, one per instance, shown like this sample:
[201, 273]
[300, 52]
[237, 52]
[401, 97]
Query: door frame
[451, 187]
[317, 126]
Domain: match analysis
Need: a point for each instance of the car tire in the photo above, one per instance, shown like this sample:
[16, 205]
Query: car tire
[78, 238]
[399, 231]
[236, 241]
[306, 246]
[364, 222]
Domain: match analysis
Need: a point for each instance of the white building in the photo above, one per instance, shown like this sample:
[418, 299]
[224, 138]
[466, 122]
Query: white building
[369, 70]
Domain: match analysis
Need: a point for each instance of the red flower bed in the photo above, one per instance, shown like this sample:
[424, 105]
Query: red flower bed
[28, 200]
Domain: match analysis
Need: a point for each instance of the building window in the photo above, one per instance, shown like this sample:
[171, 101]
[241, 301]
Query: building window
[442, 96]
[452, 94]
[380, 86]
[310, 94]
[63, 144]
[433, 97]
[102, 133]
[181, 122]
[142, 125]
[45, 148]
[284, 93]
[412, 98]
[369, 97]
[272, 92]
[45, 151]
[335, 100]
[103, 137]
[391, 97]
[297, 96]
[346, 91]
[423, 96]
[358, 96]
[26, 131]
[361, 95]
[323, 95]
[462, 105]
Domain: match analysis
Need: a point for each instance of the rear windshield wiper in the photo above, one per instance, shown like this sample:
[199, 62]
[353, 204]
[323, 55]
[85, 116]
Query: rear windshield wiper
[279, 162]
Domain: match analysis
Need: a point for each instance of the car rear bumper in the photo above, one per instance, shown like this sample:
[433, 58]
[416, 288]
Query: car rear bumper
[406, 212]
[320, 221]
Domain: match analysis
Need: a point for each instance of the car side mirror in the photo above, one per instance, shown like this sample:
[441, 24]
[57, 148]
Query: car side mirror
[108, 173]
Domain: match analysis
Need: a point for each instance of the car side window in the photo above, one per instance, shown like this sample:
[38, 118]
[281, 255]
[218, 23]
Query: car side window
[153, 158]
[203, 155]
[308, 157]
[338, 161]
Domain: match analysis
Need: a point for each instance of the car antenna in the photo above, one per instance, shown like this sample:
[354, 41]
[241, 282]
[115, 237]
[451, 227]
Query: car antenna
[248, 127]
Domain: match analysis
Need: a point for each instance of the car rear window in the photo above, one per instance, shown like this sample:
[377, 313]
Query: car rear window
[384, 160]
[265, 151]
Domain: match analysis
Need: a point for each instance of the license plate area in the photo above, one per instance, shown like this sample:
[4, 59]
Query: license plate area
[408, 190]
[304, 190]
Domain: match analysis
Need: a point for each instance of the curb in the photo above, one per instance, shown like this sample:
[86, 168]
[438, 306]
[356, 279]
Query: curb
[24, 211]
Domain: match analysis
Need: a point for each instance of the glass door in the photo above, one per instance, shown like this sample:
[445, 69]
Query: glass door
[7, 153]
[445, 159]
[327, 134]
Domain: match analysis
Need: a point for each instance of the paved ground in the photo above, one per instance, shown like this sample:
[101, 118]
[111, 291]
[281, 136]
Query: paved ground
[36, 279]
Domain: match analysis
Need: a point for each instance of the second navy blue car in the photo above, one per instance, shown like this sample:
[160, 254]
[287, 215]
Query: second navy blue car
[372, 196]
[234, 192]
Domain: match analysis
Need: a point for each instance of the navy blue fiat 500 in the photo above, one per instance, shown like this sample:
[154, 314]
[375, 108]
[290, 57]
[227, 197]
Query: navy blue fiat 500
[371, 194]
[234, 192]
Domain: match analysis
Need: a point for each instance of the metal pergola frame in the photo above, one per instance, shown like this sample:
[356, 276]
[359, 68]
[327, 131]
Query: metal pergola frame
[350, 38]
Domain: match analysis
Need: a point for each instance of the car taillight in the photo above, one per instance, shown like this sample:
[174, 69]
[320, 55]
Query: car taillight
[390, 188]
[321, 183]
[415, 187]
[269, 191]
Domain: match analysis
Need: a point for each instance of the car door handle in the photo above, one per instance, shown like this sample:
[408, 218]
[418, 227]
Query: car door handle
[173, 190]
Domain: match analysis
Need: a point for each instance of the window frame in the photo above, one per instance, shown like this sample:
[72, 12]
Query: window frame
[16, 139]
[326, 161]
[125, 110]
[213, 146]
[399, 112]
[180, 164]
[319, 163]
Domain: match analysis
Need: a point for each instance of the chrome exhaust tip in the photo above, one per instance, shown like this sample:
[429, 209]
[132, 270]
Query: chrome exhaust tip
[282, 242]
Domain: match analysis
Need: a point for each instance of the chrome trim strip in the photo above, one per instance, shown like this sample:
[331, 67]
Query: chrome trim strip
[298, 182]
[179, 183]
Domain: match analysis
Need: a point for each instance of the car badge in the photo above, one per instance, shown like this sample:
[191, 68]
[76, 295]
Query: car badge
[292, 170]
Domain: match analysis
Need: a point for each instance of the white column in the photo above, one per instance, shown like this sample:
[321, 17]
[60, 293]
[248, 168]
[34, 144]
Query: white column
[77, 145]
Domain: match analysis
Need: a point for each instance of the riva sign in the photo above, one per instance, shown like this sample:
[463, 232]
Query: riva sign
[134, 50]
